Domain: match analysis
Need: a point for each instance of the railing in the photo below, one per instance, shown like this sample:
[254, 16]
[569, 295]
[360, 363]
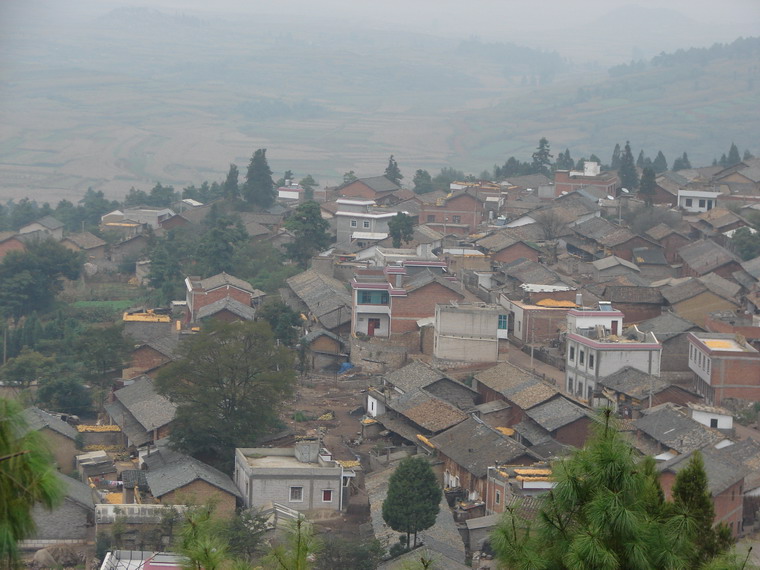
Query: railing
[107, 514]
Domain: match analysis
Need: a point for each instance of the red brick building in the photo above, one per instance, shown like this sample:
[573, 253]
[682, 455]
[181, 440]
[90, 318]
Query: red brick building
[591, 178]
[373, 188]
[459, 213]
[505, 248]
[724, 366]
[203, 292]
[706, 256]
[9, 242]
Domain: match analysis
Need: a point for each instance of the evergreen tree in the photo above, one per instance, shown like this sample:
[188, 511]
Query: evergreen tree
[542, 158]
[594, 158]
[259, 187]
[413, 498]
[349, 177]
[401, 227]
[747, 155]
[231, 188]
[647, 185]
[692, 497]
[615, 162]
[640, 160]
[27, 478]
[733, 156]
[308, 183]
[565, 161]
[682, 163]
[392, 171]
[629, 177]
[310, 231]
[605, 512]
[723, 160]
[423, 182]
[660, 164]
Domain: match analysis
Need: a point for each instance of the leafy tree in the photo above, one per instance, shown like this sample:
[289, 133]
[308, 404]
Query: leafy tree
[64, 393]
[746, 244]
[231, 187]
[27, 478]
[565, 161]
[217, 246]
[103, 350]
[594, 158]
[300, 547]
[349, 177]
[228, 386]
[604, 512]
[310, 230]
[660, 163]
[647, 185]
[733, 156]
[423, 182]
[259, 187]
[692, 497]
[283, 320]
[401, 227]
[412, 503]
[28, 367]
[308, 184]
[244, 534]
[615, 162]
[30, 280]
[629, 178]
[392, 171]
[337, 552]
[445, 177]
[542, 158]
[681, 163]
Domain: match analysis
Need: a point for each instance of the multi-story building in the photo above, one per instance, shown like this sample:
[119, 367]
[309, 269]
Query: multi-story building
[598, 347]
[591, 178]
[468, 333]
[725, 366]
[361, 219]
[461, 212]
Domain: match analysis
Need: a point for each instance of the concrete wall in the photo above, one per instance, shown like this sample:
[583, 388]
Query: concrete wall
[63, 449]
[466, 333]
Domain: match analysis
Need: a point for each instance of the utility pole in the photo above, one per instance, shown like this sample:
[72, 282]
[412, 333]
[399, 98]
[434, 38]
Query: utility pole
[532, 341]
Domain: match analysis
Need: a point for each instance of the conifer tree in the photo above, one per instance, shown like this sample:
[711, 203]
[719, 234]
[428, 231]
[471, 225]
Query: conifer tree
[392, 171]
[640, 160]
[259, 186]
[231, 188]
[660, 163]
[733, 156]
[629, 178]
[647, 185]
[615, 162]
[413, 498]
[542, 158]
[682, 163]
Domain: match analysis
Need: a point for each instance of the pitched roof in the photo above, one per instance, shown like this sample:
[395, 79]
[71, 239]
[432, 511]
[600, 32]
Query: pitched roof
[85, 240]
[475, 446]
[76, 491]
[705, 255]
[427, 411]
[49, 222]
[649, 256]
[634, 383]
[4, 236]
[414, 375]
[720, 286]
[528, 271]
[721, 469]
[37, 419]
[660, 231]
[222, 279]
[326, 297]
[617, 237]
[753, 267]
[530, 393]
[556, 413]
[503, 376]
[685, 290]
[666, 326]
[498, 241]
[595, 228]
[613, 261]
[149, 408]
[427, 277]
[169, 471]
[376, 183]
[667, 425]
[633, 294]
[229, 304]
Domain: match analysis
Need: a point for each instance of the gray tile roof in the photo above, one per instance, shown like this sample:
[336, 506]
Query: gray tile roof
[414, 375]
[427, 411]
[229, 304]
[649, 256]
[504, 376]
[326, 297]
[613, 261]
[720, 286]
[633, 383]
[721, 468]
[38, 419]
[675, 430]
[704, 256]
[528, 271]
[169, 471]
[142, 401]
[49, 222]
[427, 277]
[595, 228]
[531, 432]
[633, 294]
[377, 183]
[556, 413]
[475, 446]
[667, 325]
[222, 279]
[660, 231]
[85, 240]
[76, 491]
[681, 292]
[753, 267]
[498, 240]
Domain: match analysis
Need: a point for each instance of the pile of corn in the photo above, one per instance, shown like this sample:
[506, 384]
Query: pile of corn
[111, 448]
[326, 416]
[97, 429]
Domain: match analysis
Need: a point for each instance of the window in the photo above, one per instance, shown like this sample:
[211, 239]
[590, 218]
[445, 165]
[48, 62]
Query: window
[581, 357]
[591, 361]
[327, 495]
[456, 219]
[519, 325]
[570, 385]
[502, 322]
[353, 223]
[713, 422]
[688, 202]
[365, 224]
[296, 494]
[709, 204]
[498, 497]
[572, 354]
[590, 394]
[431, 218]
[702, 203]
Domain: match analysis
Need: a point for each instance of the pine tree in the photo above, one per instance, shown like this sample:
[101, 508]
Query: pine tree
[231, 188]
[413, 498]
[542, 158]
[640, 159]
[692, 497]
[259, 186]
[723, 160]
[629, 177]
[733, 156]
[660, 164]
[392, 171]
[682, 163]
[615, 162]
[647, 185]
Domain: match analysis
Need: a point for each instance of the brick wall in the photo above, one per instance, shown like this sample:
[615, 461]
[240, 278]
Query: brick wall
[203, 298]
[516, 251]
[698, 307]
[575, 433]
[9, 245]
[199, 492]
[144, 358]
[419, 304]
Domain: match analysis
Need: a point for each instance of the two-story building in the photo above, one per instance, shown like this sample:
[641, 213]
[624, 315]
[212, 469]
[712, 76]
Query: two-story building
[591, 177]
[361, 221]
[724, 366]
[204, 292]
[461, 212]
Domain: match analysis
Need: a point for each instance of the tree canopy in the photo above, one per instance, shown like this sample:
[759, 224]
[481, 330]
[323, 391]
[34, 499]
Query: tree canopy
[310, 230]
[629, 177]
[423, 182]
[647, 185]
[542, 158]
[259, 187]
[401, 228]
[228, 386]
[413, 499]
[392, 171]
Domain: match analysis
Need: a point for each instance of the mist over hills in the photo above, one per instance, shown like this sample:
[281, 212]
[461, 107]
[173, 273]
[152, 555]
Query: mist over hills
[134, 96]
